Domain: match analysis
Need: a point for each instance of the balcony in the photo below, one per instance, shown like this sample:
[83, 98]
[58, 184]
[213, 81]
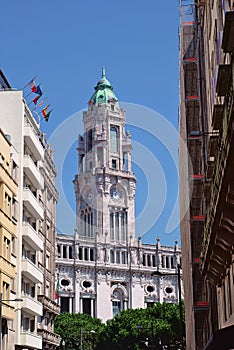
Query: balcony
[32, 204]
[30, 340]
[218, 235]
[31, 271]
[49, 304]
[217, 118]
[33, 142]
[223, 80]
[228, 33]
[30, 236]
[32, 172]
[31, 305]
[51, 338]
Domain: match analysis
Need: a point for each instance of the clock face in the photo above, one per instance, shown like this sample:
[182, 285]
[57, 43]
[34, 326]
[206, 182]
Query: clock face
[88, 196]
[115, 194]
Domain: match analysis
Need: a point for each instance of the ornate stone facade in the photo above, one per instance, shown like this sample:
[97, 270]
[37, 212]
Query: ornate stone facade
[103, 268]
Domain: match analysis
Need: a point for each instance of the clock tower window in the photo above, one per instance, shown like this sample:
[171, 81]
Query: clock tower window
[86, 219]
[114, 139]
[118, 226]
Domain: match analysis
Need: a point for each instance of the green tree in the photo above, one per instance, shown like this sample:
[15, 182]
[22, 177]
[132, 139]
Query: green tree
[75, 329]
[144, 328]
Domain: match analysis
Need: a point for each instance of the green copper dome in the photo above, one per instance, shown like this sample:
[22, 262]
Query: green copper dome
[103, 91]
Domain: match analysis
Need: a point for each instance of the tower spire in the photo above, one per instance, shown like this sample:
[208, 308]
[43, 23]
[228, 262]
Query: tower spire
[103, 72]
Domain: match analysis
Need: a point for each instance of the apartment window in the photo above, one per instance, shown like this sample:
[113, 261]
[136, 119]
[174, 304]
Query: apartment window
[47, 262]
[5, 291]
[6, 248]
[7, 205]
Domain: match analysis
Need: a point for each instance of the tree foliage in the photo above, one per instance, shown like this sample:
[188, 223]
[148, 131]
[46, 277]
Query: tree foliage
[74, 328]
[131, 329]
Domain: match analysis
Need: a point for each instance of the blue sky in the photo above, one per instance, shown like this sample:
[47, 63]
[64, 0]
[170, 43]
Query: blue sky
[65, 44]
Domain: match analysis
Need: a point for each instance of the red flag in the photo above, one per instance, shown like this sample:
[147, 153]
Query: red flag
[36, 99]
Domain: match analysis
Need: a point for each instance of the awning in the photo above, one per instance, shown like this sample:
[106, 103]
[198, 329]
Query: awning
[223, 339]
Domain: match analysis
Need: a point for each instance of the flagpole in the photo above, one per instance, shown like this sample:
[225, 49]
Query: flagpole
[39, 104]
[29, 82]
[28, 94]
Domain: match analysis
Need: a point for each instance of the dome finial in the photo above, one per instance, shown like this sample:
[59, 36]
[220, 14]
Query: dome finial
[103, 72]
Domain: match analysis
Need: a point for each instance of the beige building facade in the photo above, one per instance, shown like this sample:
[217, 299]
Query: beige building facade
[8, 237]
[206, 126]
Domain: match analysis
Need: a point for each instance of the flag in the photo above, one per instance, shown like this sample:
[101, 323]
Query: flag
[33, 85]
[44, 111]
[56, 291]
[36, 99]
[41, 103]
[48, 115]
[38, 90]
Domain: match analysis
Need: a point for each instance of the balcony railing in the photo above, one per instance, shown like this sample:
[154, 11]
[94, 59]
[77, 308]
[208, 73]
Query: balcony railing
[30, 340]
[31, 305]
[32, 203]
[49, 337]
[33, 142]
[31, 271]
[49, 304]
[34, 239]
[32, 172]
[219, 171]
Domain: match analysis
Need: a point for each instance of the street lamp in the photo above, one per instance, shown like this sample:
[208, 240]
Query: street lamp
[1, 301]
[177, 273]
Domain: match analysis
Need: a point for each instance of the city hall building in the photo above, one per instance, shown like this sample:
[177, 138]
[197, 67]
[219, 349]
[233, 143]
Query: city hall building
[103, 267]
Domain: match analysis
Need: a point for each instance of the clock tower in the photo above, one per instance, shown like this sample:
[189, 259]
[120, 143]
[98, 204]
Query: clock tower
[103, 268]
[105, 184]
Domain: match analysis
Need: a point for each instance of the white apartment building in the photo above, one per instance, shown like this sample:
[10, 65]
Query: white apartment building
[32, 282]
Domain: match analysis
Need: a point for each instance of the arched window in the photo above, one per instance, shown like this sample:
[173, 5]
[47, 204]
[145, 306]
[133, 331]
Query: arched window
[117, 258]
[143, 259]
[117, 302]
[114, 139]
